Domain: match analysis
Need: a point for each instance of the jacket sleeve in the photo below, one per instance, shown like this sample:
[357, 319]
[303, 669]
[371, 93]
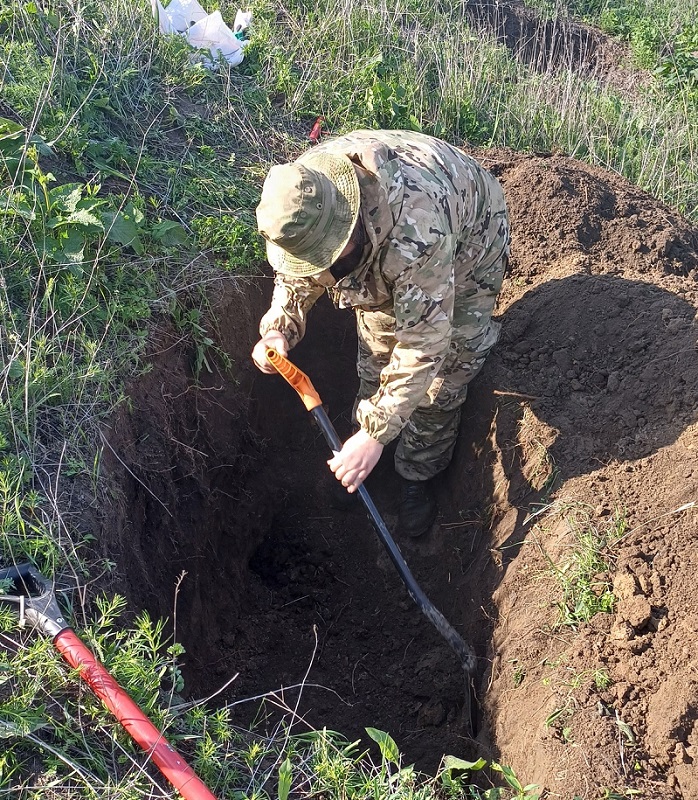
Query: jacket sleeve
[290, 303]
[423, 296]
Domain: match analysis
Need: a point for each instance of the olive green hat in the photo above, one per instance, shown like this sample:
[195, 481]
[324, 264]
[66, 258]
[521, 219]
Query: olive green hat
[308, 211]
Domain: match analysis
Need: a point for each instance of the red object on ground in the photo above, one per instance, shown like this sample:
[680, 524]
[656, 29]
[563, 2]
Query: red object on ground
[316, 130]
[134, 721]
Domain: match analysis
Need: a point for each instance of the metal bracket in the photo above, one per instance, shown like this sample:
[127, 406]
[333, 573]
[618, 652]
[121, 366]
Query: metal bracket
[32, 593]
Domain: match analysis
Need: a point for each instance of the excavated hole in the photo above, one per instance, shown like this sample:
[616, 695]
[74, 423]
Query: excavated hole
[592, 383]
[229, 484]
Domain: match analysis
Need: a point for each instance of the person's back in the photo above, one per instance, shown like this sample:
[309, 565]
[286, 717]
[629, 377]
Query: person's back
[413, 234]
[434, 190]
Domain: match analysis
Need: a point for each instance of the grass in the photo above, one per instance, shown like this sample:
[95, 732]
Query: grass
[658, 33]
[431, 69]
[128, 178]
[564, 682]
[583, 570]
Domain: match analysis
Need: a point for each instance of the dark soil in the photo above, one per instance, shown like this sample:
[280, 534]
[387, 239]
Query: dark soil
[589, 401]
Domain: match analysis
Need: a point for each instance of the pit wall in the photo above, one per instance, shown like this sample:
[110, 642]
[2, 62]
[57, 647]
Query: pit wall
[226, 481]
[186, 504]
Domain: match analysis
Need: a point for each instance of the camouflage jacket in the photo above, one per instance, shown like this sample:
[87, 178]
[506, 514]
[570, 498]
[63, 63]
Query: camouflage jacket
[422, 202]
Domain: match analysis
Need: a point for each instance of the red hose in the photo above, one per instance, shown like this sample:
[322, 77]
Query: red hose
[134, 721]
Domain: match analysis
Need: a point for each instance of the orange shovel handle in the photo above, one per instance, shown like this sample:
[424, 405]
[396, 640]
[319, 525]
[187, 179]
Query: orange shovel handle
[298, 379]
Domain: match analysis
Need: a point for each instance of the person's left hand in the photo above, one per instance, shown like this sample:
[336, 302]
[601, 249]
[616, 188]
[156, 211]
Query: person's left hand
[354, 462]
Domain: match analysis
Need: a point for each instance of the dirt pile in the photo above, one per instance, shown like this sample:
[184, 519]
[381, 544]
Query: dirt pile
[600, 333]
[585, 411]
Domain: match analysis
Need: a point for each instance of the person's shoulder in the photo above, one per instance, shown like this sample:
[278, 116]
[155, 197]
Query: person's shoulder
[366, 148]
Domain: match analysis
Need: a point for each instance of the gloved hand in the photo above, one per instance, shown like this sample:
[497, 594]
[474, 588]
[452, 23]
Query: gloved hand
[354, 462]
[275, 340]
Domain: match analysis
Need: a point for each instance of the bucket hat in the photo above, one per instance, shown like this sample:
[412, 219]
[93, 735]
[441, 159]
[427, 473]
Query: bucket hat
[307, 212]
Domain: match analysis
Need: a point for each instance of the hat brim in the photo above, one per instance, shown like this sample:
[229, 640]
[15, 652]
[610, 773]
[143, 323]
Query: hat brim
[346, 198]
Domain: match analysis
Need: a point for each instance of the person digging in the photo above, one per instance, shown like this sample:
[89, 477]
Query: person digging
[413, 234]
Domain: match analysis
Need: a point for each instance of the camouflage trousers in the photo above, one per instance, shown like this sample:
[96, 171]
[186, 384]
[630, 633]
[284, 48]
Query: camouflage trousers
[427, 441]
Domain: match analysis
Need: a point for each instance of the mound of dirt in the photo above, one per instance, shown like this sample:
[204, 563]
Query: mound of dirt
[585, 413]
[597, 382]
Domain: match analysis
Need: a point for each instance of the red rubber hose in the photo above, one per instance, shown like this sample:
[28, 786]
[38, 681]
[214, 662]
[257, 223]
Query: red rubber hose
[134, 721]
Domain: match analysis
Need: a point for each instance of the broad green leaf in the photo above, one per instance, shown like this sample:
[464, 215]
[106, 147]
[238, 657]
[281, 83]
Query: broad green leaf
[452, 762]
[104, 104]
[16, 203]
[9, 127]
[73, 247]
[16, 369]
[13, 144]
[41, 145]
[66, 197]
[169, 233]
[285, 778]
[509, 775]
[85, 217]
[50, 247]
[11, 164]
[386, 743]
[134, 213]
[122, 230]
[12, 137]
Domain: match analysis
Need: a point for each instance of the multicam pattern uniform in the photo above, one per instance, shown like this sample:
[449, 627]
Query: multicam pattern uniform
[438, 243]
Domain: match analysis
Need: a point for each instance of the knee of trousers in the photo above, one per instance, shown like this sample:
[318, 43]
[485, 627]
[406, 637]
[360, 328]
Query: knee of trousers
[426, 446]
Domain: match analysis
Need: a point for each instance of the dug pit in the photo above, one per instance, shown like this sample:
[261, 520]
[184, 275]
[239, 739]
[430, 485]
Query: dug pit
[285, 585]
[590, 397]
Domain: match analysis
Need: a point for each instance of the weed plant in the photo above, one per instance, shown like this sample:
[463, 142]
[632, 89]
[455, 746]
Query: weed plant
[661, 36]
[583, 570]
[339, 769]
[88, 253]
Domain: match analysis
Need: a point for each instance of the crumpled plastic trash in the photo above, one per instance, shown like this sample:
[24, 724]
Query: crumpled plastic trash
[179, 15]
[243, 20]
[203, 30]
[214, 35]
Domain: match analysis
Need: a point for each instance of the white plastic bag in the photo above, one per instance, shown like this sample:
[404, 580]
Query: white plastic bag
[214, 35]
[243, 20]
[204, 31]
[179, 15]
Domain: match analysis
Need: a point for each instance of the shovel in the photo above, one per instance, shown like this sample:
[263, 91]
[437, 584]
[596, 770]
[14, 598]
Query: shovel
[311, 400]
[31, 593]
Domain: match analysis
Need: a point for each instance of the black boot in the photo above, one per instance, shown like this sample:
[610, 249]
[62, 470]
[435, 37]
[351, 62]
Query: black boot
[417, 508]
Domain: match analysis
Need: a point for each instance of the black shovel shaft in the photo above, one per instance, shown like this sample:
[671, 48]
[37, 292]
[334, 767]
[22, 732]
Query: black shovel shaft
[462, 650]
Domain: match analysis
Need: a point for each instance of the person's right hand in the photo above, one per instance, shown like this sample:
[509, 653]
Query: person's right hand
[275, 340]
